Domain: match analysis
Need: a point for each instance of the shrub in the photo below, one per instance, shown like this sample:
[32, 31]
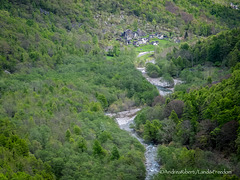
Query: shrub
[175, 105]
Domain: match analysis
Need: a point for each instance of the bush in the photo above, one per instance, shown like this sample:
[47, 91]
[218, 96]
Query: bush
[158, 100]
[167, 131]
[168, 79]
[153, 70]
[175, 105]
[180, 158]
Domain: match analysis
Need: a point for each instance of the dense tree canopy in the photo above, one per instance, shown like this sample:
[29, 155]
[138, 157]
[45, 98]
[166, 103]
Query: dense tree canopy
[62, 68]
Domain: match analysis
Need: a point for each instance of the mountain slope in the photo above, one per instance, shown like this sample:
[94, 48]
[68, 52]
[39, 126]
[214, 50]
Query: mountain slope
[40, 33]
[56, 82]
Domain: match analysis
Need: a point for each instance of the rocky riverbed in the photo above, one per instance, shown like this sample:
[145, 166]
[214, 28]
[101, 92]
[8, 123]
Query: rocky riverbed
[124, 120]
[162, 86]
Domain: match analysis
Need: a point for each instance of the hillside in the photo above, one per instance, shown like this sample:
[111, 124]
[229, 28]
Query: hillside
[197, 127]
[64, 64]
[41, 33]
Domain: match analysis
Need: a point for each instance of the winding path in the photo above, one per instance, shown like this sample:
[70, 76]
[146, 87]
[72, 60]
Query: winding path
[143, 53]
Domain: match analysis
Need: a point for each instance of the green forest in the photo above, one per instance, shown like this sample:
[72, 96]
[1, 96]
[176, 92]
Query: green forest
[62, 69]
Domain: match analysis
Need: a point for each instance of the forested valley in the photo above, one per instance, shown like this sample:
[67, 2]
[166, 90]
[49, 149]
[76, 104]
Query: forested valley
[65, 64]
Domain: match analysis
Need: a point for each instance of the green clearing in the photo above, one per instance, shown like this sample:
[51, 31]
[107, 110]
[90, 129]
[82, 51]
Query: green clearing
[109, 57]
[149, 47]
[145, 48]
[166, 43]
[163, 46]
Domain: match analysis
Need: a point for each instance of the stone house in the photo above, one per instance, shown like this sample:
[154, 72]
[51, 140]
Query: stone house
[135, 43]
[234, 6]
[155, 43]
[129, 34]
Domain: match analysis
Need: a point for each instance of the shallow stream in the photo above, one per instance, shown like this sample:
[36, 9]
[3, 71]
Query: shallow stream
[125, 118]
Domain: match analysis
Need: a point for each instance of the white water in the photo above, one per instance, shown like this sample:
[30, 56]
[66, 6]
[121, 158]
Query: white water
[159, 83]
[124, 119]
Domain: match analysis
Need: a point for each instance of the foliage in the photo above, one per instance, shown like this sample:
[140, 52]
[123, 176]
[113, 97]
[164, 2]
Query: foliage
[62, 112]
[150, 130]
[148, 113]
[210, 122]
[16, 160]
[176, 106]
[174, 117]
[218, 102]
[168, 79]
[115, 153]
[153, 70]
[39, 34]
[189, 161]
[221, 50]
[203, 118]
[56, 83]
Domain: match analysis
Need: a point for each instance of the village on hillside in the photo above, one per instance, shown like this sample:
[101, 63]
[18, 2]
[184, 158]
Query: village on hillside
[139, 37]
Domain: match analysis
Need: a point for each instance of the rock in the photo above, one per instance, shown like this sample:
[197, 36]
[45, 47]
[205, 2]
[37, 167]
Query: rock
[7, 72]
[166, 84]
[128, 34]
[141, 33]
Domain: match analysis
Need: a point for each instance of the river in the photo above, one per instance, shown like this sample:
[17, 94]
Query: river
[125, 118]
[161, 85]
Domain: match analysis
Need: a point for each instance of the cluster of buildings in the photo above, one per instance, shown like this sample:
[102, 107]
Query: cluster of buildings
[137, 37]
[234, 6]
